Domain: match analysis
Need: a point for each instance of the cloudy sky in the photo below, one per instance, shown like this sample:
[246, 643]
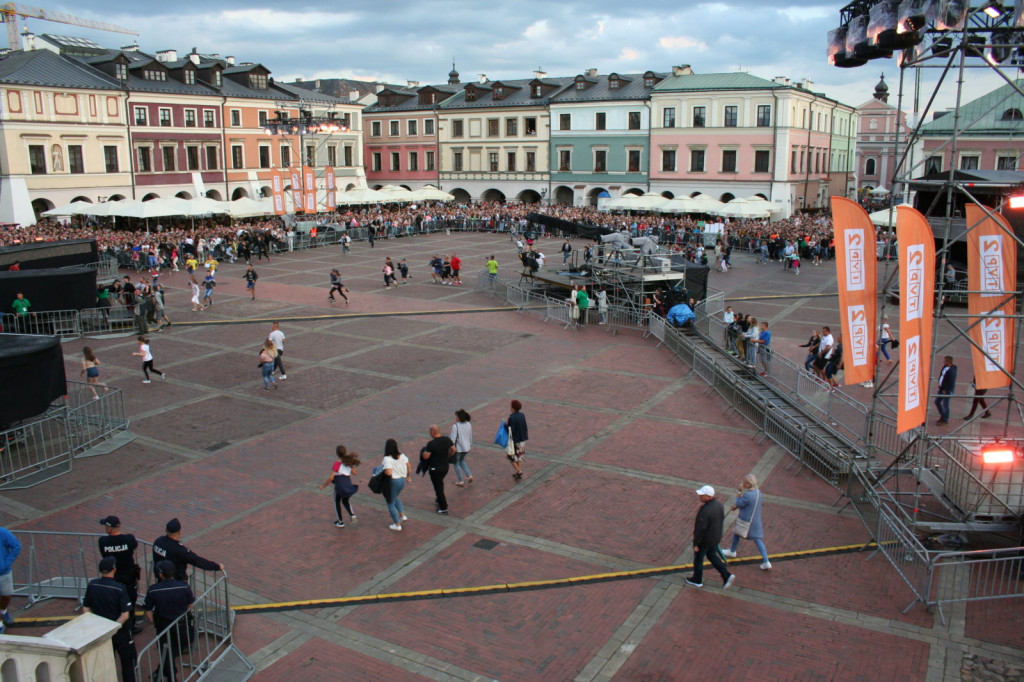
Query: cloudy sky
[396, 40]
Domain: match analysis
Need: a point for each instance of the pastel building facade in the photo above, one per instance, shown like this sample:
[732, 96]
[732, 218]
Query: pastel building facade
[882, 136]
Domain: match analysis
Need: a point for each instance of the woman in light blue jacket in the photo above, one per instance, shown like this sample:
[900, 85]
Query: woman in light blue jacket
[749, 502]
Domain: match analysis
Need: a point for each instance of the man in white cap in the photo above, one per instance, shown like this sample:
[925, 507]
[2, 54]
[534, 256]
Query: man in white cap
[707, 532]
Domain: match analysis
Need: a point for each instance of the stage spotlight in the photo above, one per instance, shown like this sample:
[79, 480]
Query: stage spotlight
[837, 53]
[952, 15]
[992, 9]
[998, 453]
[270, 130]
[1016, 201]
[912, 16]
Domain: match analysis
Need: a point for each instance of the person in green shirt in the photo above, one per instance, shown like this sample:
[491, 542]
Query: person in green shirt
[492, 270]
[583, 303]
[21, 305]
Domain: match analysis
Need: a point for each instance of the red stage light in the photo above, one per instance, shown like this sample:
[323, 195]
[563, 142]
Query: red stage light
[1017, 201]
[997, 453]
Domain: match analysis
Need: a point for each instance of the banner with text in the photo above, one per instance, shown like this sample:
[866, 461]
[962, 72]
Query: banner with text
[992, 279]
[297, 198]
[856, 267]
[309, 185]
[917, 301]
[277, 191]
[330, 181]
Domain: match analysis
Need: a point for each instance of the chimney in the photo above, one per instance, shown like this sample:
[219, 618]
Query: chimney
[167, 56]
[194, 58]
[317, 83]
[682, 70]
[377, 87]
[298, 80]
[806, 84]
[482, 78]
[591, 73]
[230, 60]
[134, 47]
[539, 73]
[353, 95]
[28, 40]
[412, 84]
[780, 80]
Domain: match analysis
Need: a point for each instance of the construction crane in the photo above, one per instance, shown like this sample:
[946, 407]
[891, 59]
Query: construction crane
[9, 13]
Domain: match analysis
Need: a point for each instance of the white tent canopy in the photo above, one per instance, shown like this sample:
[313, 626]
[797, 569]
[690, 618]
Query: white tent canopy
[246, 207]
[883, 219]
[431, 193]
[74, 208]
[680, 205]
[744, 208]
[626, 202]
[361, 195]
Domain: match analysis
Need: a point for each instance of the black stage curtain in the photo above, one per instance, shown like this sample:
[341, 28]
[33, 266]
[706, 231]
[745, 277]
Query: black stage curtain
[569, 227]
[50, 254]
[696, 276]
[31, 375]
[50, 289]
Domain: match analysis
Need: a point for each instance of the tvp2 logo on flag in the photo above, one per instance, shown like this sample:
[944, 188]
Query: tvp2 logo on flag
[918, 289]
[856, 270]
[912, 398]
[854, 257]
[917, 301]
[991, 305]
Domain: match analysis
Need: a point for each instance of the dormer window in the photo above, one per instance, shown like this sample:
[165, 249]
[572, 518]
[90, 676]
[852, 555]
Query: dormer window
[580, 85]
[538, 91]
[613, 83]
[154, 75]
[499, 92]
[190, 77]
[217, 79]
[258, 81]
[1012, 115]
[648, 81]
[470, 95]
[121, 71]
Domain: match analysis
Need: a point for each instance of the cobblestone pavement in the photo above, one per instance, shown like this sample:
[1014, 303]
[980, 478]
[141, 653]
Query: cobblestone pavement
[621, 435]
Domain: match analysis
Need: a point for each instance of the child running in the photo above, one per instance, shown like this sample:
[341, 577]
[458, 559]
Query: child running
[91, 370]
[336, 285]
[147, 359]
[341, 475]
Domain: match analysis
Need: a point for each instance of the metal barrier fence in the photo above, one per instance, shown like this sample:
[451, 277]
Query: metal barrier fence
[980, 575]
[898, 544]
[63, 323]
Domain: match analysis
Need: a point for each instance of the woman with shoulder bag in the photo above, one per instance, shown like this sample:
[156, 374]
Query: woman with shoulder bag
[748, 524]
[266, 364]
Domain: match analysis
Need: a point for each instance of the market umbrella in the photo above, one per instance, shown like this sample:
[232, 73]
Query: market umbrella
[361, 195]
[680, 205]
[156, 208]
[879, 191]
[740, 208]
[431, 193]
[627, 202]
[201, 206]
[651, 201]
[246, 207]
[706, 204]
[883, 218]
[74, 208]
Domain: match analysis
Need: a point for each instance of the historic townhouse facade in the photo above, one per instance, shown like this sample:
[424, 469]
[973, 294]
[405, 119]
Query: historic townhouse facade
[736, 135]
[882, 135]
[494, 137]
[600, 127]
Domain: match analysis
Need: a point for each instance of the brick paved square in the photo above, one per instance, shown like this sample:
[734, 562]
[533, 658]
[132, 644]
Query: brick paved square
[214, 420]
[468, 338]
[388, 328]
[254, 631]
[524, 636]
[696, 401]
[402, 360]
[994, 621]
[323, 387]
[789, 479]
[554, 429]
[598, 389]
[320, 661]
[637, 359]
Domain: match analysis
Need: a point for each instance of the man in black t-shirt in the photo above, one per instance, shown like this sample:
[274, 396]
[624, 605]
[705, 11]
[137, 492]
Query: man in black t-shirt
[436, 454]
[107, 597]
[122, 546]
[168, 547]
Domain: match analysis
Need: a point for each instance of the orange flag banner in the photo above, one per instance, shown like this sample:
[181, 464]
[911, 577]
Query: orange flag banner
[917, 303]
[856, 267]
[331, 201]
[992, 273]
[297, 199]
[309, 183]
[277, 191]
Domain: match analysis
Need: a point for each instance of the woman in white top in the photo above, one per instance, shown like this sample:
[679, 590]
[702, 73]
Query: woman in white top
[396, 466]
[197, 306]
[885, 339]
[462, 436]
[147, 359]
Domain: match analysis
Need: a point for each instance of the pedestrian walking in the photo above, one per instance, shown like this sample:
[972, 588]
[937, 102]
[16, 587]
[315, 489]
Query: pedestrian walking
[10, 548]
[602, 304]
[437, 453]
[168, 547]
[166, 602]
[885, 338]
[121, 548]
[947, 384]
[160, 310]
[146, 354]
[266, 364]
[456, 263]
[518, 435]
[492, 270]
[748, 524]
[106, 597]
[250, 278]
[566, 250]
[277, 337]
[707, 533]
[341, 476]
[403, 268]
[396, 468]
[91, 371]
[461, 436]
[337, 285]
[979, 401]
[583, 303]
[208, 285]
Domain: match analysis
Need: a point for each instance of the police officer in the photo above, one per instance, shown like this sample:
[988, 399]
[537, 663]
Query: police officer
[107, 597]
[122, 546]
[168, 547]
[166, 601]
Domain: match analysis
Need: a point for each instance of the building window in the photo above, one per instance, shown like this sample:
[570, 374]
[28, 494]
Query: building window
[538, 91]
[396, 161]
[412, 127]
[165, 117]
[1012, 115]
[347, 155]
[145, 159]
[375, 129]
[190, 118]
[216, 78]
[511, 127]
[192, 158]
[531, 162]
[600, 161]
[140, 116]
[470, 95]
[428, 126]
[414, 161]
[731, 116]
[530, 125]
[565, 122]
[580, 85]
[429, 161]
[668, 160]
[286, 156]
[492, 161]
[600, 121]
[492, 127]
[869, 167]
[499, 93]
[264, 156]
[110, 159]
[792, 163]
[728, 160]
[261, 118]
[668, 117]
[237, 160]
[633, 161]
[121, 72]
[168, 157]
[634, 120]
[764, 115]
[76, 160]
[1006, 163]
[457, 128]
[154, 75]
[310, 155]
[968, 163]
[648, 81]
[457, 162]
[564, 159]
[190, 77]
[802, 161]
[510, 162]
[208, 120]
[699, 117]
[393, 129]
[236, 117]
[933, 165]
[332, 156]
[211, 158]
[613, 83]
[258, 81]
[375, 162]
[696, 160]
[762, 160]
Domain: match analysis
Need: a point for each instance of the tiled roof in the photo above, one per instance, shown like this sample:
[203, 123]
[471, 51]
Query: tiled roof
[631, 87]
[999, 112]
[716, 81]
[310, 95]
[49, 69]
[412, 101]
[519, 97]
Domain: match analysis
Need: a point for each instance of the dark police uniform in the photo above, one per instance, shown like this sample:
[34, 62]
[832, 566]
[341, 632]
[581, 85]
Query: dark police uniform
[166, 548]
[108, 598]
[122, 547]
[169, 599]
